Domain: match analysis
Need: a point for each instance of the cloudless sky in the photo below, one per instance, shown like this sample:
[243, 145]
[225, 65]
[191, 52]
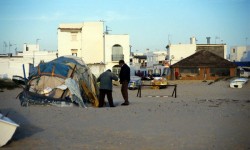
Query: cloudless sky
[150, 24]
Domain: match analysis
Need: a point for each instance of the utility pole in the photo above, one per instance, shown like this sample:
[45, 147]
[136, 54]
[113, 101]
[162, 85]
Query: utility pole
[35, 50]
[4, 47]
[130, 48]
[37, 42]
[216, 37]
[169, 39]
[9, 46]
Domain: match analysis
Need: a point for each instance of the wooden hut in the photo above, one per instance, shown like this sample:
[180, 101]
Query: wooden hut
[203, 65]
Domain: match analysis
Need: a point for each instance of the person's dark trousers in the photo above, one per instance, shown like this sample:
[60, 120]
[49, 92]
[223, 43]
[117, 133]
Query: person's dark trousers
[124, 91]
[102, 94]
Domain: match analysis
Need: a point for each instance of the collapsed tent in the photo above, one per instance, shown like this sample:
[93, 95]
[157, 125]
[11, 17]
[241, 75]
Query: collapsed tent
[66, 79]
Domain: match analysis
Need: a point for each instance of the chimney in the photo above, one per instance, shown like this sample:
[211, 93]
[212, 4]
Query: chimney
[208, 40]
[192, 40]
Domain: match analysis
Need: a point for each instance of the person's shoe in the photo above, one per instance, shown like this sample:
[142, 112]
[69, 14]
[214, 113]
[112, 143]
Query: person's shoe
[125, 104]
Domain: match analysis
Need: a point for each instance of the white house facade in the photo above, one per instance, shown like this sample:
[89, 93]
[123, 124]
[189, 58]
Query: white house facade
[240, 53]
[180, 51]
[34, 55]
[87, 40]
[116, 48]
[155, 58]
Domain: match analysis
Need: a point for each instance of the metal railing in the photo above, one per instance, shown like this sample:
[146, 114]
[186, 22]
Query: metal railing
[117, 57]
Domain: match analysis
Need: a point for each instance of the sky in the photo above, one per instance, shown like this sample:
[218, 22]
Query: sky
[151, 24]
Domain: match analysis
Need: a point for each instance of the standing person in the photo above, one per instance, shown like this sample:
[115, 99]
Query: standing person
[176, 75]
[124, 80]
[106, 87]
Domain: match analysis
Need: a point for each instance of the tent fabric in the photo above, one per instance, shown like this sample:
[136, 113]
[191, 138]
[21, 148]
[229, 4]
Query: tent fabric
[57, 67]
[66, 70]
[54, 68]
[75, 90]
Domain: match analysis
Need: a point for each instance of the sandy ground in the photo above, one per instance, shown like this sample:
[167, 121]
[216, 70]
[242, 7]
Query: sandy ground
[201, 117]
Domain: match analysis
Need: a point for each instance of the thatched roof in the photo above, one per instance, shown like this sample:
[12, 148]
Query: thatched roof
[204, 58]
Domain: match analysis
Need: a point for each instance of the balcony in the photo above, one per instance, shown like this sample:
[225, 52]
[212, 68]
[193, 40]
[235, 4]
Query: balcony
[117, 57]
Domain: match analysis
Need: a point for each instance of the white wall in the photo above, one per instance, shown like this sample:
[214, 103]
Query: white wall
[151, 59]
[92, 42]
[89, 41]
[225, 52]
[110, 41]
[154, 57]
[27, 48]
[180, 51]
[65, 42]
[240, 53]
[14, 65]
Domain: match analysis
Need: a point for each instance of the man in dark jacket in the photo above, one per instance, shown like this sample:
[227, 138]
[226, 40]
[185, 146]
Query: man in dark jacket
[106, 87]
[124, 80]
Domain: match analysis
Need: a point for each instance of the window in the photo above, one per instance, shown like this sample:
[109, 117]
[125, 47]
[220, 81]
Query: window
[116, 69]
[73, 36]
[130, 61]
[219, 72]
[233, 50]
[74, 52]
[117, 53]
[189, 71]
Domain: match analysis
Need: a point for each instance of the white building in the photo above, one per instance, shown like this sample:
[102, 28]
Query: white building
[156, 62]
[13, 65]
[83, 40]
[177, 52]
[99, 50]
[155, 58]
[33, 52]
[240, 53]
[116, 48]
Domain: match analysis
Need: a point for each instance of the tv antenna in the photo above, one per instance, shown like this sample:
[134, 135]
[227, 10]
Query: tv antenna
[107, 30]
